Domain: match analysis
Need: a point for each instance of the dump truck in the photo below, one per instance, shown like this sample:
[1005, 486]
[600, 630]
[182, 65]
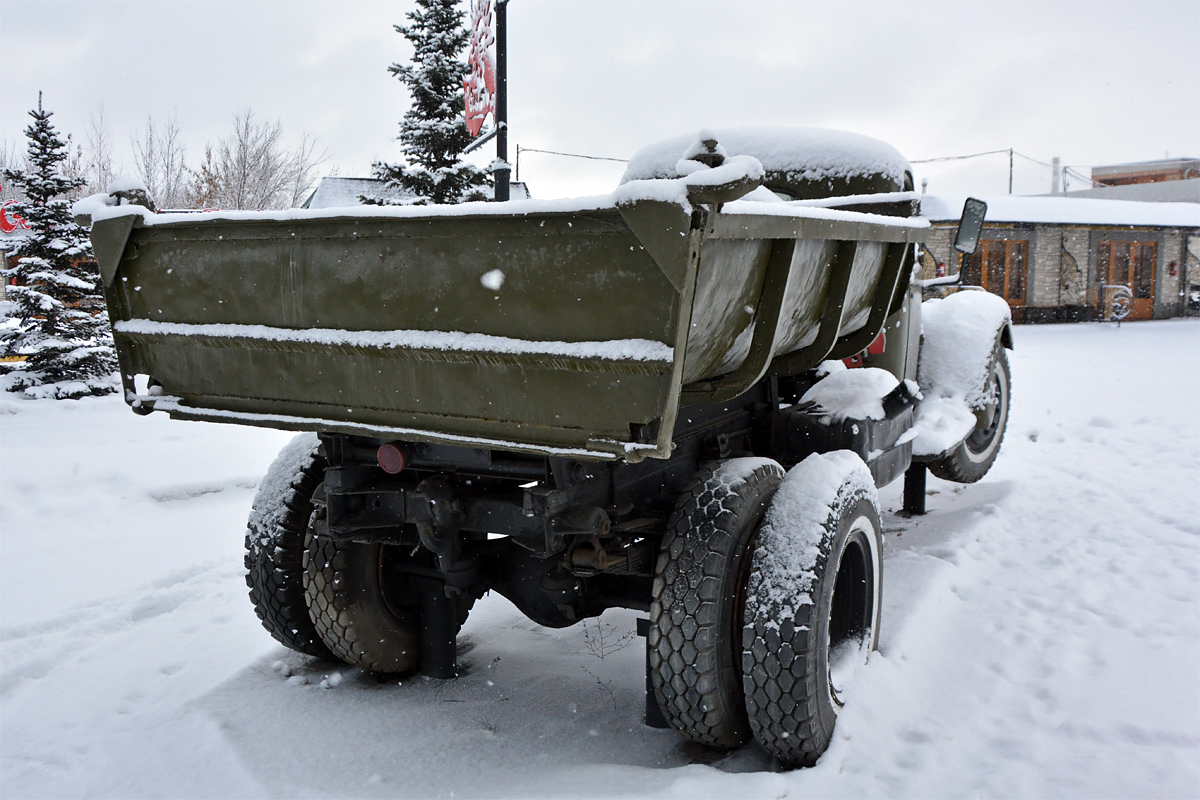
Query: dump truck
[678, 398]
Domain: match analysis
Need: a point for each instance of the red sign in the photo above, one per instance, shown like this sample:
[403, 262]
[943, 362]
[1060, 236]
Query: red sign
[9, 224]
[480, 86]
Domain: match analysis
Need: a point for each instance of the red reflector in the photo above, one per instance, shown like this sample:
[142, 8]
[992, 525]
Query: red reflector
[392, 458]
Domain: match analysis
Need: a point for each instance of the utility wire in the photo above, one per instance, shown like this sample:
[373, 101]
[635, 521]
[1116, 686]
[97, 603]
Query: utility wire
[572, 155]
[958, 158]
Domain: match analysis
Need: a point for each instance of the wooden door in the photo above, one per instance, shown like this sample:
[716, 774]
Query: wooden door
[1129, 264]
[999, 266]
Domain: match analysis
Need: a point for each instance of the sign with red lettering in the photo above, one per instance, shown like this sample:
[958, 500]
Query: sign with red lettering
[10, 222]
[480, 86]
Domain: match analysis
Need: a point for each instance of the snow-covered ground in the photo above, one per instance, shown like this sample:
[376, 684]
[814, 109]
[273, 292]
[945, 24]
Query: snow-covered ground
[1041, 628]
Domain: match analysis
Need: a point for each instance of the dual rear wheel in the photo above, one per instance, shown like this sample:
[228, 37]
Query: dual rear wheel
[318, 596]
[766, 597]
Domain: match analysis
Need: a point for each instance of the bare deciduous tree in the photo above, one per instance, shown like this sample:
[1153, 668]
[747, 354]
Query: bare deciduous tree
[98, 150]
[252, 168]
[11, 158]
[160, 160]
[74, 169]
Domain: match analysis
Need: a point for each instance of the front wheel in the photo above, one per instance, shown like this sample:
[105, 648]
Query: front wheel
[974, 456]
[812, 604]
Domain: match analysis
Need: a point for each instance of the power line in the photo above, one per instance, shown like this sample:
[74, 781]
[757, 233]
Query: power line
[958, 158]
[557, 153]
[1066, 170]
[571, 155]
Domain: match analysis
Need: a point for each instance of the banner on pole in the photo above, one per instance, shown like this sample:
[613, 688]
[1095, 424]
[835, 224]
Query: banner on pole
[480, 86]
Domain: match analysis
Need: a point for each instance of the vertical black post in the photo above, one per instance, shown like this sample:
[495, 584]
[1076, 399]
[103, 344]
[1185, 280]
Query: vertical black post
[439, 657]
[914, 489]
[502, 170]
[654, 715]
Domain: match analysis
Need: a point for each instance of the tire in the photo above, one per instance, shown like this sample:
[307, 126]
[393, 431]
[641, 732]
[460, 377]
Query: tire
[695, 611]
[275, 545]
[974, 456]
[361, 621]
[814, 591]
[346, 602]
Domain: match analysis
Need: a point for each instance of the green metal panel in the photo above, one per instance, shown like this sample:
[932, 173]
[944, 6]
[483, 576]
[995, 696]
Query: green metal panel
[382, 324]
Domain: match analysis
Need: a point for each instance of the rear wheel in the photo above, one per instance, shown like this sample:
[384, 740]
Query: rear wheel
[362, 603]
[343, 585]
[974, 456]
[275, 545]
[812, 604]
[695, 611]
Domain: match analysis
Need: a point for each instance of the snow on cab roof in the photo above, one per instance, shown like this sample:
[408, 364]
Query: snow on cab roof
[813, 154]
[1064, 210]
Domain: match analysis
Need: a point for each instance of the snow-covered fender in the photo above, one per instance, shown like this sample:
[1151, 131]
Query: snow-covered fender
[959, 336]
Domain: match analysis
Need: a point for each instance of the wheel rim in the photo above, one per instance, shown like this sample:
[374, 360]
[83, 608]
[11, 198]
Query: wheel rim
[981, 441]
[852, 611]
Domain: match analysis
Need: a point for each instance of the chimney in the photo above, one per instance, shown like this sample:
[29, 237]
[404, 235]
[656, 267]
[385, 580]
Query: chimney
[1056, 180]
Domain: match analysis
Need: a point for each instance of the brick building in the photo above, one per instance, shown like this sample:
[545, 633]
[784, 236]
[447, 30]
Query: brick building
[1061, 259]
[1168, 169]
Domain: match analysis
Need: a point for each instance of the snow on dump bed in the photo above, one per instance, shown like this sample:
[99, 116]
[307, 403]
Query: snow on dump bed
[850, 393]
[811, 154]
[99, 208]
[674, 189]
[797, 211]
[959, 335]
[789, 542]
[609, 350]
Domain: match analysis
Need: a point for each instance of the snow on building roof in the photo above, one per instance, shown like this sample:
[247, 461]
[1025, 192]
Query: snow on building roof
[1185, 191]
[337, 192]
[1064, 210]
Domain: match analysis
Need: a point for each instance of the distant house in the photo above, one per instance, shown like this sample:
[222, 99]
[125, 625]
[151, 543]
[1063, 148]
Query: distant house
[338, 192]
[1060, 258]
[1168, 169]
[1175, 180]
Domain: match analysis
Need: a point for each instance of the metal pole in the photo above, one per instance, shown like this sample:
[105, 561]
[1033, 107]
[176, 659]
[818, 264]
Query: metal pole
[502, 168]
[914, 489]
[439, 651]
[1010, 168]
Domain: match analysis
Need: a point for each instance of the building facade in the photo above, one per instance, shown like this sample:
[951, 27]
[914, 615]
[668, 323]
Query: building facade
[1062, 259]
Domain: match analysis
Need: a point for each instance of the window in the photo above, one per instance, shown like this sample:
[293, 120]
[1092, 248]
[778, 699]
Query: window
[999, 266]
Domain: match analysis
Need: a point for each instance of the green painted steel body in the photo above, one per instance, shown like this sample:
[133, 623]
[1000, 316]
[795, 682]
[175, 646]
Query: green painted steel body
[354, 323]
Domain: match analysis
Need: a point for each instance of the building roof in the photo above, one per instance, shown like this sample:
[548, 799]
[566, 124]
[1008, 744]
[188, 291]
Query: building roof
[1185, 191]
[1140, 167]
[338, 192]
[1065, 210]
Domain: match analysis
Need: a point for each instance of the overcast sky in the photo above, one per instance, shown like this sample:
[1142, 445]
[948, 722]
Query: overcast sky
[1092, 82]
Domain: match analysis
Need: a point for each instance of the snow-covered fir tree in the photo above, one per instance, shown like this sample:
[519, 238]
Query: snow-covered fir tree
[433, 132]
[55, 310]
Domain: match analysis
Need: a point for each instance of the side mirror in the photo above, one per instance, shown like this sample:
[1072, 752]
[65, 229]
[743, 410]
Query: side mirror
[970, 226]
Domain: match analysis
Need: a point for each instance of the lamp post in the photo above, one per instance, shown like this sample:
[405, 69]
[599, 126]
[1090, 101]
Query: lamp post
[501, 168]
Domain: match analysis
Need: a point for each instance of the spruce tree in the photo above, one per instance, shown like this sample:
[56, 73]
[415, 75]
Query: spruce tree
[434, 131]
[56, 309]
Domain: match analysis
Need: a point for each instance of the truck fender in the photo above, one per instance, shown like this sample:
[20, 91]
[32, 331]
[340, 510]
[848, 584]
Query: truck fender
[960, 335]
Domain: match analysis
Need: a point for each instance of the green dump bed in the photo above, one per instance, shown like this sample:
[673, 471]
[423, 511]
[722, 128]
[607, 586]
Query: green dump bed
[562, 328]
